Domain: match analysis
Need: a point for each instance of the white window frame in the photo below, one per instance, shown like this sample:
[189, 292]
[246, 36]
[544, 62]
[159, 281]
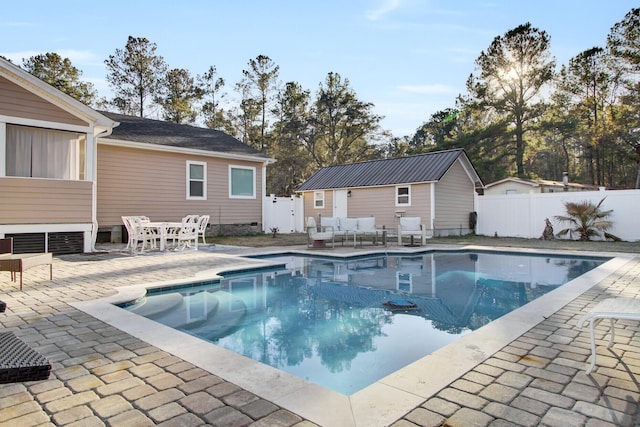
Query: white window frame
[408, 195]
[253, 170]
[318, 196]
[190, 179]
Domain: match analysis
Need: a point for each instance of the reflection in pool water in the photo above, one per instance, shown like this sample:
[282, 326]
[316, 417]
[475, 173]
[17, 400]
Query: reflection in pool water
[328, 320]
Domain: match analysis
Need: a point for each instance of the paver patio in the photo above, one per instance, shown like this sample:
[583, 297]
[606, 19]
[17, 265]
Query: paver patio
[103, 376]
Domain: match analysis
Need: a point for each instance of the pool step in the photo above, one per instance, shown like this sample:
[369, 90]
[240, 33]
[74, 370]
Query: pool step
[192, 309]
[228, 316]
[156, 304]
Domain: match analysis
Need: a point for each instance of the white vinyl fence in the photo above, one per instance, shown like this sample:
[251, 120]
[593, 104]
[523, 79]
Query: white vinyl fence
[284, 213]
[523, 215]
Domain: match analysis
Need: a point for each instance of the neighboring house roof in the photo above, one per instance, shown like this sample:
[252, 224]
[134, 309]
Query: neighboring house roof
[24, 79]
[541, 182]
[429, 167]
[148, 131]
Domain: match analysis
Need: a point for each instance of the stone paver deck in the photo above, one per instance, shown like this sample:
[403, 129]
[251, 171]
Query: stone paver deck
[103, 376]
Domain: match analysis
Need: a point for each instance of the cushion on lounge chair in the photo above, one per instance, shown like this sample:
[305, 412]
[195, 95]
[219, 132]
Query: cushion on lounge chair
[349, 224]
[367, 224]
[330, 222]
[410, 223]
[19, 362]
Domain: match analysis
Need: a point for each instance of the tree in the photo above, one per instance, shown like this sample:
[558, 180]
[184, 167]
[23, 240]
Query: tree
[587, 86]
[511, 75]
[135, 75]
[180, 93]
[212, 86]
[341, 128]
[587, 220]
[257, 87]
[61, 74]
[292, 109]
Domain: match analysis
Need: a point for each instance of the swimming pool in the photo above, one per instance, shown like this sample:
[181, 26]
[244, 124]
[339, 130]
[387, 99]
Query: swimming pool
[325, 319]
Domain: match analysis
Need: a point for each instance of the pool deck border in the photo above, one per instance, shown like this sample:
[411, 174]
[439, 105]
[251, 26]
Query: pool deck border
[383, 402]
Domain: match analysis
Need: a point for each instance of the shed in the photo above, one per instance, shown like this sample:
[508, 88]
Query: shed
[439, 187]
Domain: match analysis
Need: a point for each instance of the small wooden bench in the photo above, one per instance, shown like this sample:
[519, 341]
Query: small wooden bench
[18, 263]
[613, 309]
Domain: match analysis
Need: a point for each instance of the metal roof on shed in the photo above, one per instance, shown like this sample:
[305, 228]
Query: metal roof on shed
[428, 167]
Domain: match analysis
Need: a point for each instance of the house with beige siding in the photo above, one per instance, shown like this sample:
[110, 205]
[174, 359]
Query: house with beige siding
[166, 171]
[65, 177]
[439, 187]
[48, 153]
[515, 185]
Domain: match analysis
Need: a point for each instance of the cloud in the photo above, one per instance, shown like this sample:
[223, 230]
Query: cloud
[428, 89]
[385, 7]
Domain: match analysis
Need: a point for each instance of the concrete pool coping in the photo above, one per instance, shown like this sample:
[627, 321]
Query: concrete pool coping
[384, 401]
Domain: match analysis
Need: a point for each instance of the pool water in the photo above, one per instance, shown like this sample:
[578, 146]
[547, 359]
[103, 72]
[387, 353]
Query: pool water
[346, 323]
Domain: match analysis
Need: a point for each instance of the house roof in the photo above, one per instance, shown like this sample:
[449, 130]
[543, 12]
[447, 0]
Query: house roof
[540, 182]
[428, 167]
[157, 132]
[44, 90]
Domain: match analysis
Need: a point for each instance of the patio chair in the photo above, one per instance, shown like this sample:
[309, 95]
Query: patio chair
[140, 234]
[188, 232]
[202, 228]
[613, 309]
[410, 226]
[318, 238]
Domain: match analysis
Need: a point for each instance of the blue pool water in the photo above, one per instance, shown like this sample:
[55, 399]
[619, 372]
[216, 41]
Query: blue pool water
[329, 321]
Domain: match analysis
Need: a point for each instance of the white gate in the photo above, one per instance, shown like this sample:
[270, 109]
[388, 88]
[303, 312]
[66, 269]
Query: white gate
[283, 213]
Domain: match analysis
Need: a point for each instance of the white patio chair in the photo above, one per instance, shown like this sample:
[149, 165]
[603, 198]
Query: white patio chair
[188, 232]
[410, 226]
[314, 236]
[140, 234]
[202, 228]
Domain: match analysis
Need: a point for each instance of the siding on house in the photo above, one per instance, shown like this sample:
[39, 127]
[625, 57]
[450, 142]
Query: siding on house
[153, 183]
[454, 199]
[44, 201]
[19, 102]
[511, 186]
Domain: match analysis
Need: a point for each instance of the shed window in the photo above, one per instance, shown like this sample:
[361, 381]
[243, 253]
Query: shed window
[242, 182]
[45, 153]
[403, 196]
[196, 180]
[318, 199]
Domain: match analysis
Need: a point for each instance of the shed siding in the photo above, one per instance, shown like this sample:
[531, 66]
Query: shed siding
[380, 202]
[153, 183]
[454, 199]
[19, 102]
[311, 210]
[44, 201]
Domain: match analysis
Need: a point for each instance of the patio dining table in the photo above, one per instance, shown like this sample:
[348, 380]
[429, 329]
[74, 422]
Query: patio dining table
[162, 230]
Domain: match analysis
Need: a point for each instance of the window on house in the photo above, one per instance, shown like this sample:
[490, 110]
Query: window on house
[196, 180]
[403, 196]
[45, 153]
[242, 182]
[318, 199]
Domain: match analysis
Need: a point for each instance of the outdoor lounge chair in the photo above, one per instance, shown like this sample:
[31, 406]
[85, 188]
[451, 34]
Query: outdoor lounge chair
[612, 309]
[411, 227]
[18, 263]
[318, 238]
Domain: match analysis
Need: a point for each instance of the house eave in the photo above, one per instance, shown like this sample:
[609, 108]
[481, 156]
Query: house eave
[181, 150]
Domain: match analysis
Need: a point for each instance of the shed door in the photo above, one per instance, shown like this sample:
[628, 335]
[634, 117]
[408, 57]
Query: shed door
[339, 203]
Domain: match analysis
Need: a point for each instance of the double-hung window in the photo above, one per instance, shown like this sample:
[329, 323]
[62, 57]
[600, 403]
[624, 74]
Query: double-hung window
[242, 182]
[318, 199]
[403, 195]
[196, 180]
[45, 153]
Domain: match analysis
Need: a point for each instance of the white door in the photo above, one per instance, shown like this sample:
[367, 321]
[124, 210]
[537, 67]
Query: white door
[340, 203]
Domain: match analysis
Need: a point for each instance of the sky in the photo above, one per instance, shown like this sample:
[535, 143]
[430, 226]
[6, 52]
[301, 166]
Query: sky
[409, 58]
